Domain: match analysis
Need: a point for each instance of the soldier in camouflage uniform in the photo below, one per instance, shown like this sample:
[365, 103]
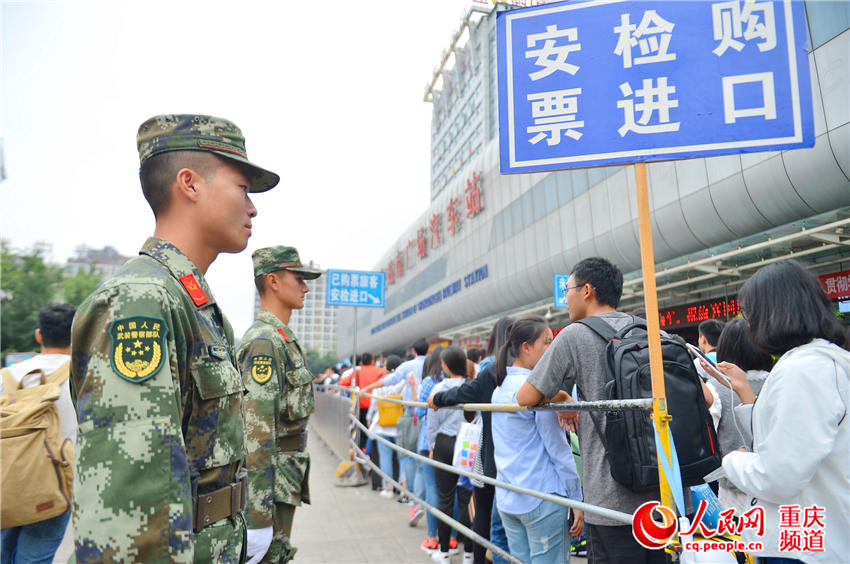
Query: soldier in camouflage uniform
[159, 397]
[279, 401]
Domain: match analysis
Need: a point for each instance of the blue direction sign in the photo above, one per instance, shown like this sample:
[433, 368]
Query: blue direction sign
[596, 82]
[355, 288]
[559, 289]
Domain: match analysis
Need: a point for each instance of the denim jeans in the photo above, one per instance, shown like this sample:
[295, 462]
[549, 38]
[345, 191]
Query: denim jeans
[540, 536]
[410, 468]
[497, 533]
[430, 495]
[419, 482]
[35, 543]
[385, 455]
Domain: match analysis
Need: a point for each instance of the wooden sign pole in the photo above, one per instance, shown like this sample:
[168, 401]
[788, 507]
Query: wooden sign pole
[660, 416]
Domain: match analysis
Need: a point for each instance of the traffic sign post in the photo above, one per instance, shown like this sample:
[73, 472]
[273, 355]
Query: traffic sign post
[599, 82]
[355, 288]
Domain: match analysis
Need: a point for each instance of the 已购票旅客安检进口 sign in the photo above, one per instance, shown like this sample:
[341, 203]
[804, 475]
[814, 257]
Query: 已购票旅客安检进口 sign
[588, 83]
[355, 288]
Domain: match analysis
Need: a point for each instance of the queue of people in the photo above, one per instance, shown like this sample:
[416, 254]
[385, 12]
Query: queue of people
[777, 392]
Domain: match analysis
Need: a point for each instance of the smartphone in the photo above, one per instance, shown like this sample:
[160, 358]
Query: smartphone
[708, 361]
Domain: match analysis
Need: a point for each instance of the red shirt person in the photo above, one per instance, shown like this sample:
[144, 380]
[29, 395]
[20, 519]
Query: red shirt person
[364, 375]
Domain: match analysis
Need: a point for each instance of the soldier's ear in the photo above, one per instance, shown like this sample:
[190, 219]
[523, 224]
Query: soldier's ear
[272, 281]
[186, 184]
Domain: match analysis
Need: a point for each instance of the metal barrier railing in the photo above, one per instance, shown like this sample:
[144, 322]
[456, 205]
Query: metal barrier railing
[566, 502]
[604, 405]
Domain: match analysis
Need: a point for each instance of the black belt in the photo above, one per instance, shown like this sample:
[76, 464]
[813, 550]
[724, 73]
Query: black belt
[292, 442]
[229, 501]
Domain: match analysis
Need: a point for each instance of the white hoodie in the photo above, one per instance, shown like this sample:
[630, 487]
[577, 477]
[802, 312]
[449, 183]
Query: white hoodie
[801, 447]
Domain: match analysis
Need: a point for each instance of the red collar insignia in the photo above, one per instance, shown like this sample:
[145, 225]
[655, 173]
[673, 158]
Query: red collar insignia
[282, 334]
[194, 289]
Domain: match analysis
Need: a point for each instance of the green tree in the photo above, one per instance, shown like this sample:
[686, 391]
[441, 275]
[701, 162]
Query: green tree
[28, 283]
[77, 288]
[316, 361]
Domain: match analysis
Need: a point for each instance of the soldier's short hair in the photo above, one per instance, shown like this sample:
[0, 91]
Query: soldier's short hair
[260, 283]
[158, 173]
[54, 323]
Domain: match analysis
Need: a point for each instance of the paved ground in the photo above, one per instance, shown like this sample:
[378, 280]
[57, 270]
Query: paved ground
[352, 525]
[344, 525]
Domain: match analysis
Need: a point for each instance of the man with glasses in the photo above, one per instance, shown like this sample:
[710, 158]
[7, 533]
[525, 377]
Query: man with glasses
[577, 356]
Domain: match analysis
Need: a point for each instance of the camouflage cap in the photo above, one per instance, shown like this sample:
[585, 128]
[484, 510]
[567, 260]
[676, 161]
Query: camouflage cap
[271, 259]
[189, 132]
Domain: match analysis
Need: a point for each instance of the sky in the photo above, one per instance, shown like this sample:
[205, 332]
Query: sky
[328, 94]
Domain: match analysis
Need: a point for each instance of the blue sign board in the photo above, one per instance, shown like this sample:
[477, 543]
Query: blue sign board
[598, 82]
[559, 289]
[355, 288]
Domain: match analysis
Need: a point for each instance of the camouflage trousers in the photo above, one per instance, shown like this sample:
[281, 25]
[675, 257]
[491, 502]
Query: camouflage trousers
[281, 550]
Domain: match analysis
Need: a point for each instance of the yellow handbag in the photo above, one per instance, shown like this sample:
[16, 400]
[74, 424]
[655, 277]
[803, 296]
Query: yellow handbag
[389, 412]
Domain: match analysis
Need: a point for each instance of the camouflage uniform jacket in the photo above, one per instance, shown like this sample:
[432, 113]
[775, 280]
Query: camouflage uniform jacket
[278, 404]
[159, 402]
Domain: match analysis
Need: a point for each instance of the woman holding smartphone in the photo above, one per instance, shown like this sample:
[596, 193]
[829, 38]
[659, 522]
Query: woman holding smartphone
[801, 441]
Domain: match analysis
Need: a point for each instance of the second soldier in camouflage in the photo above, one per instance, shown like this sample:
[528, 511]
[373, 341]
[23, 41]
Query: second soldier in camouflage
[278, 404]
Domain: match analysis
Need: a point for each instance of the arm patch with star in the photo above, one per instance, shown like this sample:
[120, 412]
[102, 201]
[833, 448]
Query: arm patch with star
[138, 347]
[262, 367]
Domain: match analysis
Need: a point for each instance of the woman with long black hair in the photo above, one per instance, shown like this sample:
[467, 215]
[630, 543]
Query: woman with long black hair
[532, 451]
[801, 443]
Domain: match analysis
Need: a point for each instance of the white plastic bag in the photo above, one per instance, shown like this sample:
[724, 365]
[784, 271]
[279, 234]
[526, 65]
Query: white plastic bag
[466, 445]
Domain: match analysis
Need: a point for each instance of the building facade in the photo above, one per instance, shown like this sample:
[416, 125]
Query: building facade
[106, 261]
[489, 244]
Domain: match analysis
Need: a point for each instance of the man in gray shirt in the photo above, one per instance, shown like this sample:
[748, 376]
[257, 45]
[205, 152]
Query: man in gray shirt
[577, 355]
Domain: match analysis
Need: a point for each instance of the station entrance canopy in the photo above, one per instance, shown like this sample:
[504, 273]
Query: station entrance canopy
[820, 243]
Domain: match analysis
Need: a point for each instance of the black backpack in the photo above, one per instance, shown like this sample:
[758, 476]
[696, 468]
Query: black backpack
[629, 436]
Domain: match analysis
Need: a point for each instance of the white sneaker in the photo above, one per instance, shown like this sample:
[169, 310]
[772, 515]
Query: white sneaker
[467, 558]
[441, 557]
[386, 493]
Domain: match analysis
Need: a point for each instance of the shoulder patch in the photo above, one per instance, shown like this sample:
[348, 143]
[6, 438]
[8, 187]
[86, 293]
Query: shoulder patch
[218, 351]
[138, 347]
[194, 289]
[297, 361]
[283, 334]
[262, 366]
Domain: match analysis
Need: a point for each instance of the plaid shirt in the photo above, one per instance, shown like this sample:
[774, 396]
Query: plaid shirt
[428, 384]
